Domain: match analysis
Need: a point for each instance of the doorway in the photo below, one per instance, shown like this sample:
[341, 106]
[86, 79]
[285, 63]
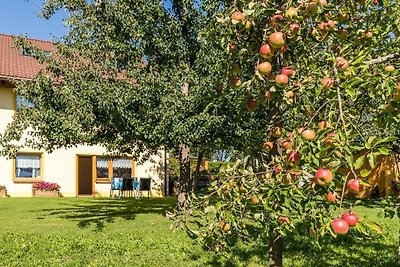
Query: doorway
[84, 177]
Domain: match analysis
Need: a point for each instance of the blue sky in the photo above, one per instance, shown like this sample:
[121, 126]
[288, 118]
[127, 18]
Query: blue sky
[19, 17]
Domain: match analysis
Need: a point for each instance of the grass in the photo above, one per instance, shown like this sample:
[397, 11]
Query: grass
[130, 232]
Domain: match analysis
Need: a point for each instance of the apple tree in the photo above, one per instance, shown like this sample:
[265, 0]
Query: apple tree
[326, 72]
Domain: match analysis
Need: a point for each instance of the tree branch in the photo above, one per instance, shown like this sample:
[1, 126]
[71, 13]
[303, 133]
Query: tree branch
[382, 59]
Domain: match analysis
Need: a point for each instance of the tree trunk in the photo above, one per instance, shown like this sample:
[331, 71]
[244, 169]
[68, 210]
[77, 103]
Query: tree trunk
[196, 175]
[275, 251]
[184, 168]
[184, 157]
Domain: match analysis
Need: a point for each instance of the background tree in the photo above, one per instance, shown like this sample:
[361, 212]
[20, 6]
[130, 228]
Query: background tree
[117, 81]
[327, 70]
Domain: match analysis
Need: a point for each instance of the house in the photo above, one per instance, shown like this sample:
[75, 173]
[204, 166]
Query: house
[83, 170]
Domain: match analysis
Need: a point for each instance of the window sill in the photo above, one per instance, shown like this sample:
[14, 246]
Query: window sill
[27, 180]
[103, 181]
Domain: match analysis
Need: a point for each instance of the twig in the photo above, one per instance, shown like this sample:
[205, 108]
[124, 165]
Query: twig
[382, 59]
[344, 187]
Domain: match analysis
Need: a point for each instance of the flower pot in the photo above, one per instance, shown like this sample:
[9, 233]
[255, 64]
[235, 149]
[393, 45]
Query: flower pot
[41, 193]
[3, 192]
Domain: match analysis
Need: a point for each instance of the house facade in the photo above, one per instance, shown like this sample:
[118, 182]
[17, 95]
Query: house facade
[80, 171]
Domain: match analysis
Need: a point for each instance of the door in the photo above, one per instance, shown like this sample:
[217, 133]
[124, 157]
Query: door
[85, 181]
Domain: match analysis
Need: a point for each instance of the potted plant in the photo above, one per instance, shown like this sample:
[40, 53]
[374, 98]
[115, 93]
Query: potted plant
[45, 189]
[3, 191]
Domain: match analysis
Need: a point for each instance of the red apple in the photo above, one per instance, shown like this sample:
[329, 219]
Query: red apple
[354, 185]
[291, 13]
[264, 68]
[294, 158]
[288, 71]
[323, 2]
[283, 49]
[283, 219]
[275, 20]
[368, 35]
[324, 124]
[251, 104]
[276, 132]
[268, 145]
[331, 24]
[294, 28]
[327, 82]
[286, 144]
[235, 82]
[351, 218]
[266, 94]
[290, 94]
[342, 63]
[308, 134]
[323, 176]
[277, 39]
[237, 15]
[330, 139]
[339, 226]
[389, 68]
[277, 169]
[330, 197]
[281, 79]
[254, 199]
[312, 9]
[266, 51]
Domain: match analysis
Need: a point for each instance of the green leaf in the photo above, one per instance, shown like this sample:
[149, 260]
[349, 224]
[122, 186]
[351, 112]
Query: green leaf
[364, 173]
[384, 151]
[359, 162]
[371, 160]
[374, 226]
[248, 12]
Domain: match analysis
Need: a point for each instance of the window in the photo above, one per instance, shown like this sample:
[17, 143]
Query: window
[107, 168]
[28, 167]
[102, 168]
[122, 168]
[35, 54]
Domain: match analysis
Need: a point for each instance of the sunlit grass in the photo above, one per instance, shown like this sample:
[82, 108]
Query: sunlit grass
[129, 232]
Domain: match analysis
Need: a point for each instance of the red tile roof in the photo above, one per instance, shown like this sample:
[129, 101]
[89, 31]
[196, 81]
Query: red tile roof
[14, 65]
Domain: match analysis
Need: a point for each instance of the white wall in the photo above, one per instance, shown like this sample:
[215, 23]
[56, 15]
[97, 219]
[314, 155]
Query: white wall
[60, 166]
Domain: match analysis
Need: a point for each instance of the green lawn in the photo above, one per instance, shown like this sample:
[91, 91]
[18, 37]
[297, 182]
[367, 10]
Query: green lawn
[129, 232]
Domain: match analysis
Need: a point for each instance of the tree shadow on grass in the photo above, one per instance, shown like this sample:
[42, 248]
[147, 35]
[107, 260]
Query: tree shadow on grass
[99, 211]
[300, 251]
